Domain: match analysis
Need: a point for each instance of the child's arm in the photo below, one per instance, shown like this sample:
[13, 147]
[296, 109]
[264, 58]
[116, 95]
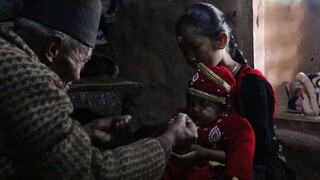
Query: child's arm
[240, 150]
[198, 153]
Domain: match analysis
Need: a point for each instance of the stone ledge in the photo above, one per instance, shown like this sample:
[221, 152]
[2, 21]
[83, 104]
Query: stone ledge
[283, 115]
[104, 98]
[117, 85]
[300, 136]
[298, 122]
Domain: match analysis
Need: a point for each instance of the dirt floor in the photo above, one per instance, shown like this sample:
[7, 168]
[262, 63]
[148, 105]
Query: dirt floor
[301, 142]
[305, 164]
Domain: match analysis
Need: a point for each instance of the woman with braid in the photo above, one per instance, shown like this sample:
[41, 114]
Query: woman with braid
[204, 36]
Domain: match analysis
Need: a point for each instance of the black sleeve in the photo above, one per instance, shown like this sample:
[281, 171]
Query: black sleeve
[258, 102]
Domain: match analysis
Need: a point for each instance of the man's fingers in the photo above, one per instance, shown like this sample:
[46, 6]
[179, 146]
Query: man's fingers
[171, 121]
[102, 123]
[120, 128]
[192, 126]
[125, 118]
[181, 118]
[101, 137]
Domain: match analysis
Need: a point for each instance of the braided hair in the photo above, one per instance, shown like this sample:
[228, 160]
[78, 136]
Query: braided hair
[235, 53]
[208, 21]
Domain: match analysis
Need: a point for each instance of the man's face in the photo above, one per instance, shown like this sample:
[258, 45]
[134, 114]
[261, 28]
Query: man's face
[69, 65]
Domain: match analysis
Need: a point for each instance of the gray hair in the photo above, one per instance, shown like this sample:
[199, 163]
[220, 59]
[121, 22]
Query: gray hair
[34, 34]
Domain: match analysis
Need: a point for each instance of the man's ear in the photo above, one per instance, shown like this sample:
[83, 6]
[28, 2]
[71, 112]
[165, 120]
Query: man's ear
[52, 47]
[223, 40]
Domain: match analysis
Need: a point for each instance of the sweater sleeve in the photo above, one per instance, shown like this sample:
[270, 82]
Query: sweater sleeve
[41, 140]
[75, 157]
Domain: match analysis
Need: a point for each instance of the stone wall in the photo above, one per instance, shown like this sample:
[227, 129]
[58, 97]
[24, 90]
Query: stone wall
[146, 51]
[291, 29]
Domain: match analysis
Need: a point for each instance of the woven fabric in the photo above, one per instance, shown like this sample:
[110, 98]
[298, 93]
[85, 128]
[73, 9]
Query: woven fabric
[38, 139]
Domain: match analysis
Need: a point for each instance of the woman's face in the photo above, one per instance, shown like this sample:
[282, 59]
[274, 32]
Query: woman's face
[199, 49]
[203, 112]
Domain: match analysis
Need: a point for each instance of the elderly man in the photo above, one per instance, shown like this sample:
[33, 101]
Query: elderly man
[52, 42]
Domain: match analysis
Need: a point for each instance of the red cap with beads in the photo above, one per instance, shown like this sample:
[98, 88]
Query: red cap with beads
[215, 84]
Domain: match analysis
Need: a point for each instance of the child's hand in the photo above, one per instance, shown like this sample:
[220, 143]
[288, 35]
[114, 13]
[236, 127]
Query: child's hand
[190, 156]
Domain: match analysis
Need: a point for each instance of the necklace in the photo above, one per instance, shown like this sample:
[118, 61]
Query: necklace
[235, 68]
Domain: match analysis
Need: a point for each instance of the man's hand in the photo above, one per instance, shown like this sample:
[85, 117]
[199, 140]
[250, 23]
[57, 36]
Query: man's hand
[181, 131]
[104, 132]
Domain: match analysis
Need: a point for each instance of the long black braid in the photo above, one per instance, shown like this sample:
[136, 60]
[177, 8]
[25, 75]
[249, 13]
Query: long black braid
[235, 53]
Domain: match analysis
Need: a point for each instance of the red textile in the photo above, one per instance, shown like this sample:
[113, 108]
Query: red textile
[214, 80]
[237, 140]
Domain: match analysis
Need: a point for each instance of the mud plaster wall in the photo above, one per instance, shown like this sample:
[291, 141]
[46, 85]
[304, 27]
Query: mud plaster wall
[146, 51]
[291, 41]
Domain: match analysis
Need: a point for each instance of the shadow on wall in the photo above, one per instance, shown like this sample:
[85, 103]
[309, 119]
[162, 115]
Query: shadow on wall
[148, 52]
[291, 28]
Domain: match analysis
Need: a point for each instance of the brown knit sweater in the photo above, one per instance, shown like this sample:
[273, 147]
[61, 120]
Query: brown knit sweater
[39, 140]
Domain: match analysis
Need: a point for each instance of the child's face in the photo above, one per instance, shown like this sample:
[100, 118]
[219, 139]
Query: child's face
[203, 112]
[197, 48]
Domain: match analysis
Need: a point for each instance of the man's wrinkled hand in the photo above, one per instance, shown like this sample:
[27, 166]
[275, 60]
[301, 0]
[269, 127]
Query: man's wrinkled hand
[105, 132]
[181, 131]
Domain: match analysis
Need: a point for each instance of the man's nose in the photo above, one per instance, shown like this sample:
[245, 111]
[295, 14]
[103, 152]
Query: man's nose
[77, 77]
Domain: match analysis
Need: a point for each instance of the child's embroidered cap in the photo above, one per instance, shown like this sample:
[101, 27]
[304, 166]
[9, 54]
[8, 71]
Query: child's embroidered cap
[215, 83]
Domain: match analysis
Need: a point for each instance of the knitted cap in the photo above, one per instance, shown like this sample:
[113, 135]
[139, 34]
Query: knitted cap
[77, 18]
[215, 83]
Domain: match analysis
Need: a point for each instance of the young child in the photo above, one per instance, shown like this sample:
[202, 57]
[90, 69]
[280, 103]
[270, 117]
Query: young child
[209, 98]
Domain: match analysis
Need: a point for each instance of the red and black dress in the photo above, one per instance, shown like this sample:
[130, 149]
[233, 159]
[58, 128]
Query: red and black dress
[255, 100]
